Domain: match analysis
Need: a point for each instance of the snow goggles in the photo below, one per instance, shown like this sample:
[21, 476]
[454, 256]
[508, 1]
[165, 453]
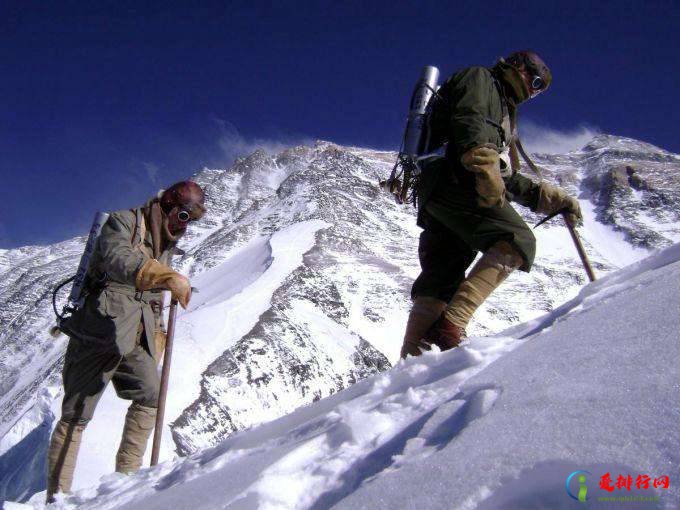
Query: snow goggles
[537, 85]
[192, 213]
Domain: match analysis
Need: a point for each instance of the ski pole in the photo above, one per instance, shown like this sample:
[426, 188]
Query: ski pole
[579, 247]
[165, 375]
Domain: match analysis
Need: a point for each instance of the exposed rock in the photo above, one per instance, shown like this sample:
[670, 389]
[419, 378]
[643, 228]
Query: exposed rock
[338, 316]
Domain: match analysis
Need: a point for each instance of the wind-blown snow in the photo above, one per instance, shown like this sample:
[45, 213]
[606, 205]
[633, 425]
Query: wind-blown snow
[498, 423]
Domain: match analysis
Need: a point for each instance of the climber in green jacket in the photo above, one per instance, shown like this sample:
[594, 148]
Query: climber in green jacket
[464, 199]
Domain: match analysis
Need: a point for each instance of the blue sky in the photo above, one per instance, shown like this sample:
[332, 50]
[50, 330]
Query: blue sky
[103, 104]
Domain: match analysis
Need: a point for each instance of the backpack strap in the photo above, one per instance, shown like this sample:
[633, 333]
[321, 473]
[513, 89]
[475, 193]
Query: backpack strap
[504, 128]
[527, 159]
[139, 233]
[512, 139]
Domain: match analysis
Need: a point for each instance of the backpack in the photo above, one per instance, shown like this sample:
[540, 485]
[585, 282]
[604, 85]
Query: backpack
[438, 117]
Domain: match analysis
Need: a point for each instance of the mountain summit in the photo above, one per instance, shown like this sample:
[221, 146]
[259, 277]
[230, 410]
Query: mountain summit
[304, 267]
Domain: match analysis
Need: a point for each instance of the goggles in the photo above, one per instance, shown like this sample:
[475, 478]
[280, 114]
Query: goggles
[535, 82]
[193, 213]
[536, 85]
[184, 216]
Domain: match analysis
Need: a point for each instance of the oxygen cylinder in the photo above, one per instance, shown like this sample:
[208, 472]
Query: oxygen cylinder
[75, 299]
[415, 137]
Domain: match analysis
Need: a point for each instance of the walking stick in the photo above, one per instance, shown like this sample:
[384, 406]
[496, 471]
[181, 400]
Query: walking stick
[165, 375]
[579, 247]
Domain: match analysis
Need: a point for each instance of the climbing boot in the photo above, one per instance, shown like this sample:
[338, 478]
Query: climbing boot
[424, 313]
[139, 422]
[61, 457]
[445, 335]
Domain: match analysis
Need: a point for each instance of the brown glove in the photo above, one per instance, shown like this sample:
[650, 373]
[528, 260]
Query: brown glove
[154, 275]
[484, 162]
[552, 198]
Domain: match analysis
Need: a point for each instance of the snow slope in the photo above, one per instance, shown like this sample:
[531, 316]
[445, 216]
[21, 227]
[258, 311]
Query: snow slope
[498, 423]
[298, 248]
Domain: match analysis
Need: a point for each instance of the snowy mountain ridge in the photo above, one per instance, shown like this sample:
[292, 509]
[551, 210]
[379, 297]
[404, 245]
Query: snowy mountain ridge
[304, 269]
[499, 423]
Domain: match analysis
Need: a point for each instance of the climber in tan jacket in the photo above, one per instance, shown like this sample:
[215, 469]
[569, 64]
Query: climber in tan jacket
[117, 334]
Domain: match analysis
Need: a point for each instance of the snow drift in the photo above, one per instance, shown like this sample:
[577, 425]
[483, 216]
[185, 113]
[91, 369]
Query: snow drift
[499, 423]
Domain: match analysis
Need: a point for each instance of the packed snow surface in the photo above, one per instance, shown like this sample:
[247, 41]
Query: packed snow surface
[500, 422]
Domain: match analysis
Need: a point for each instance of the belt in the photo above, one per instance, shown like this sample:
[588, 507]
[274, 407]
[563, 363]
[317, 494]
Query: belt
[145, 296]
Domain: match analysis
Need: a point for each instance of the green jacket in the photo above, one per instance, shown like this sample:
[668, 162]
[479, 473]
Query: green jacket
[472, 112]
[114, 309]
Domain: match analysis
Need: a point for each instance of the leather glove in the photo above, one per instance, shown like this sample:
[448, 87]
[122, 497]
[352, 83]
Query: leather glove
[484, 162]
[154, 275]
[552, 198]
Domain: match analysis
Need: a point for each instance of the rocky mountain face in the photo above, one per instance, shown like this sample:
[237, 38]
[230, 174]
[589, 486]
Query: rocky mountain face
[29, 357]
[304, 269]
[636, 188]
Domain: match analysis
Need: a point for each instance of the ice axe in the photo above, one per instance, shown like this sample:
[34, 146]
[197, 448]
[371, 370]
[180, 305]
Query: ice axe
[564, 212]
[575, 237]
[165, 377]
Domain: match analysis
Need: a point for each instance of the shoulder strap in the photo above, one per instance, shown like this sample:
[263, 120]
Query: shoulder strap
[140, 229]
[139, 233]
[527, 159]
[514, 142]
[505, 131]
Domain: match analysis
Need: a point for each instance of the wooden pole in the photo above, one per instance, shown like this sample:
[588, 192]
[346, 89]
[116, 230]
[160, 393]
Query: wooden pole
[579, 248]
[165, 376]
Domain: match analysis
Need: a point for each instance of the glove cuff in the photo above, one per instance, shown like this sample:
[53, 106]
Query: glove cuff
[153, 275]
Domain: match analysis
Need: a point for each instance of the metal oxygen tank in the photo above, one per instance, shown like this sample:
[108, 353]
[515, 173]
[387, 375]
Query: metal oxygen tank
[415, 138]
[76, 297]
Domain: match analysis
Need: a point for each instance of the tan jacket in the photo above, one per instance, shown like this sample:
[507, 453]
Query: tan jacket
[114, 308]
